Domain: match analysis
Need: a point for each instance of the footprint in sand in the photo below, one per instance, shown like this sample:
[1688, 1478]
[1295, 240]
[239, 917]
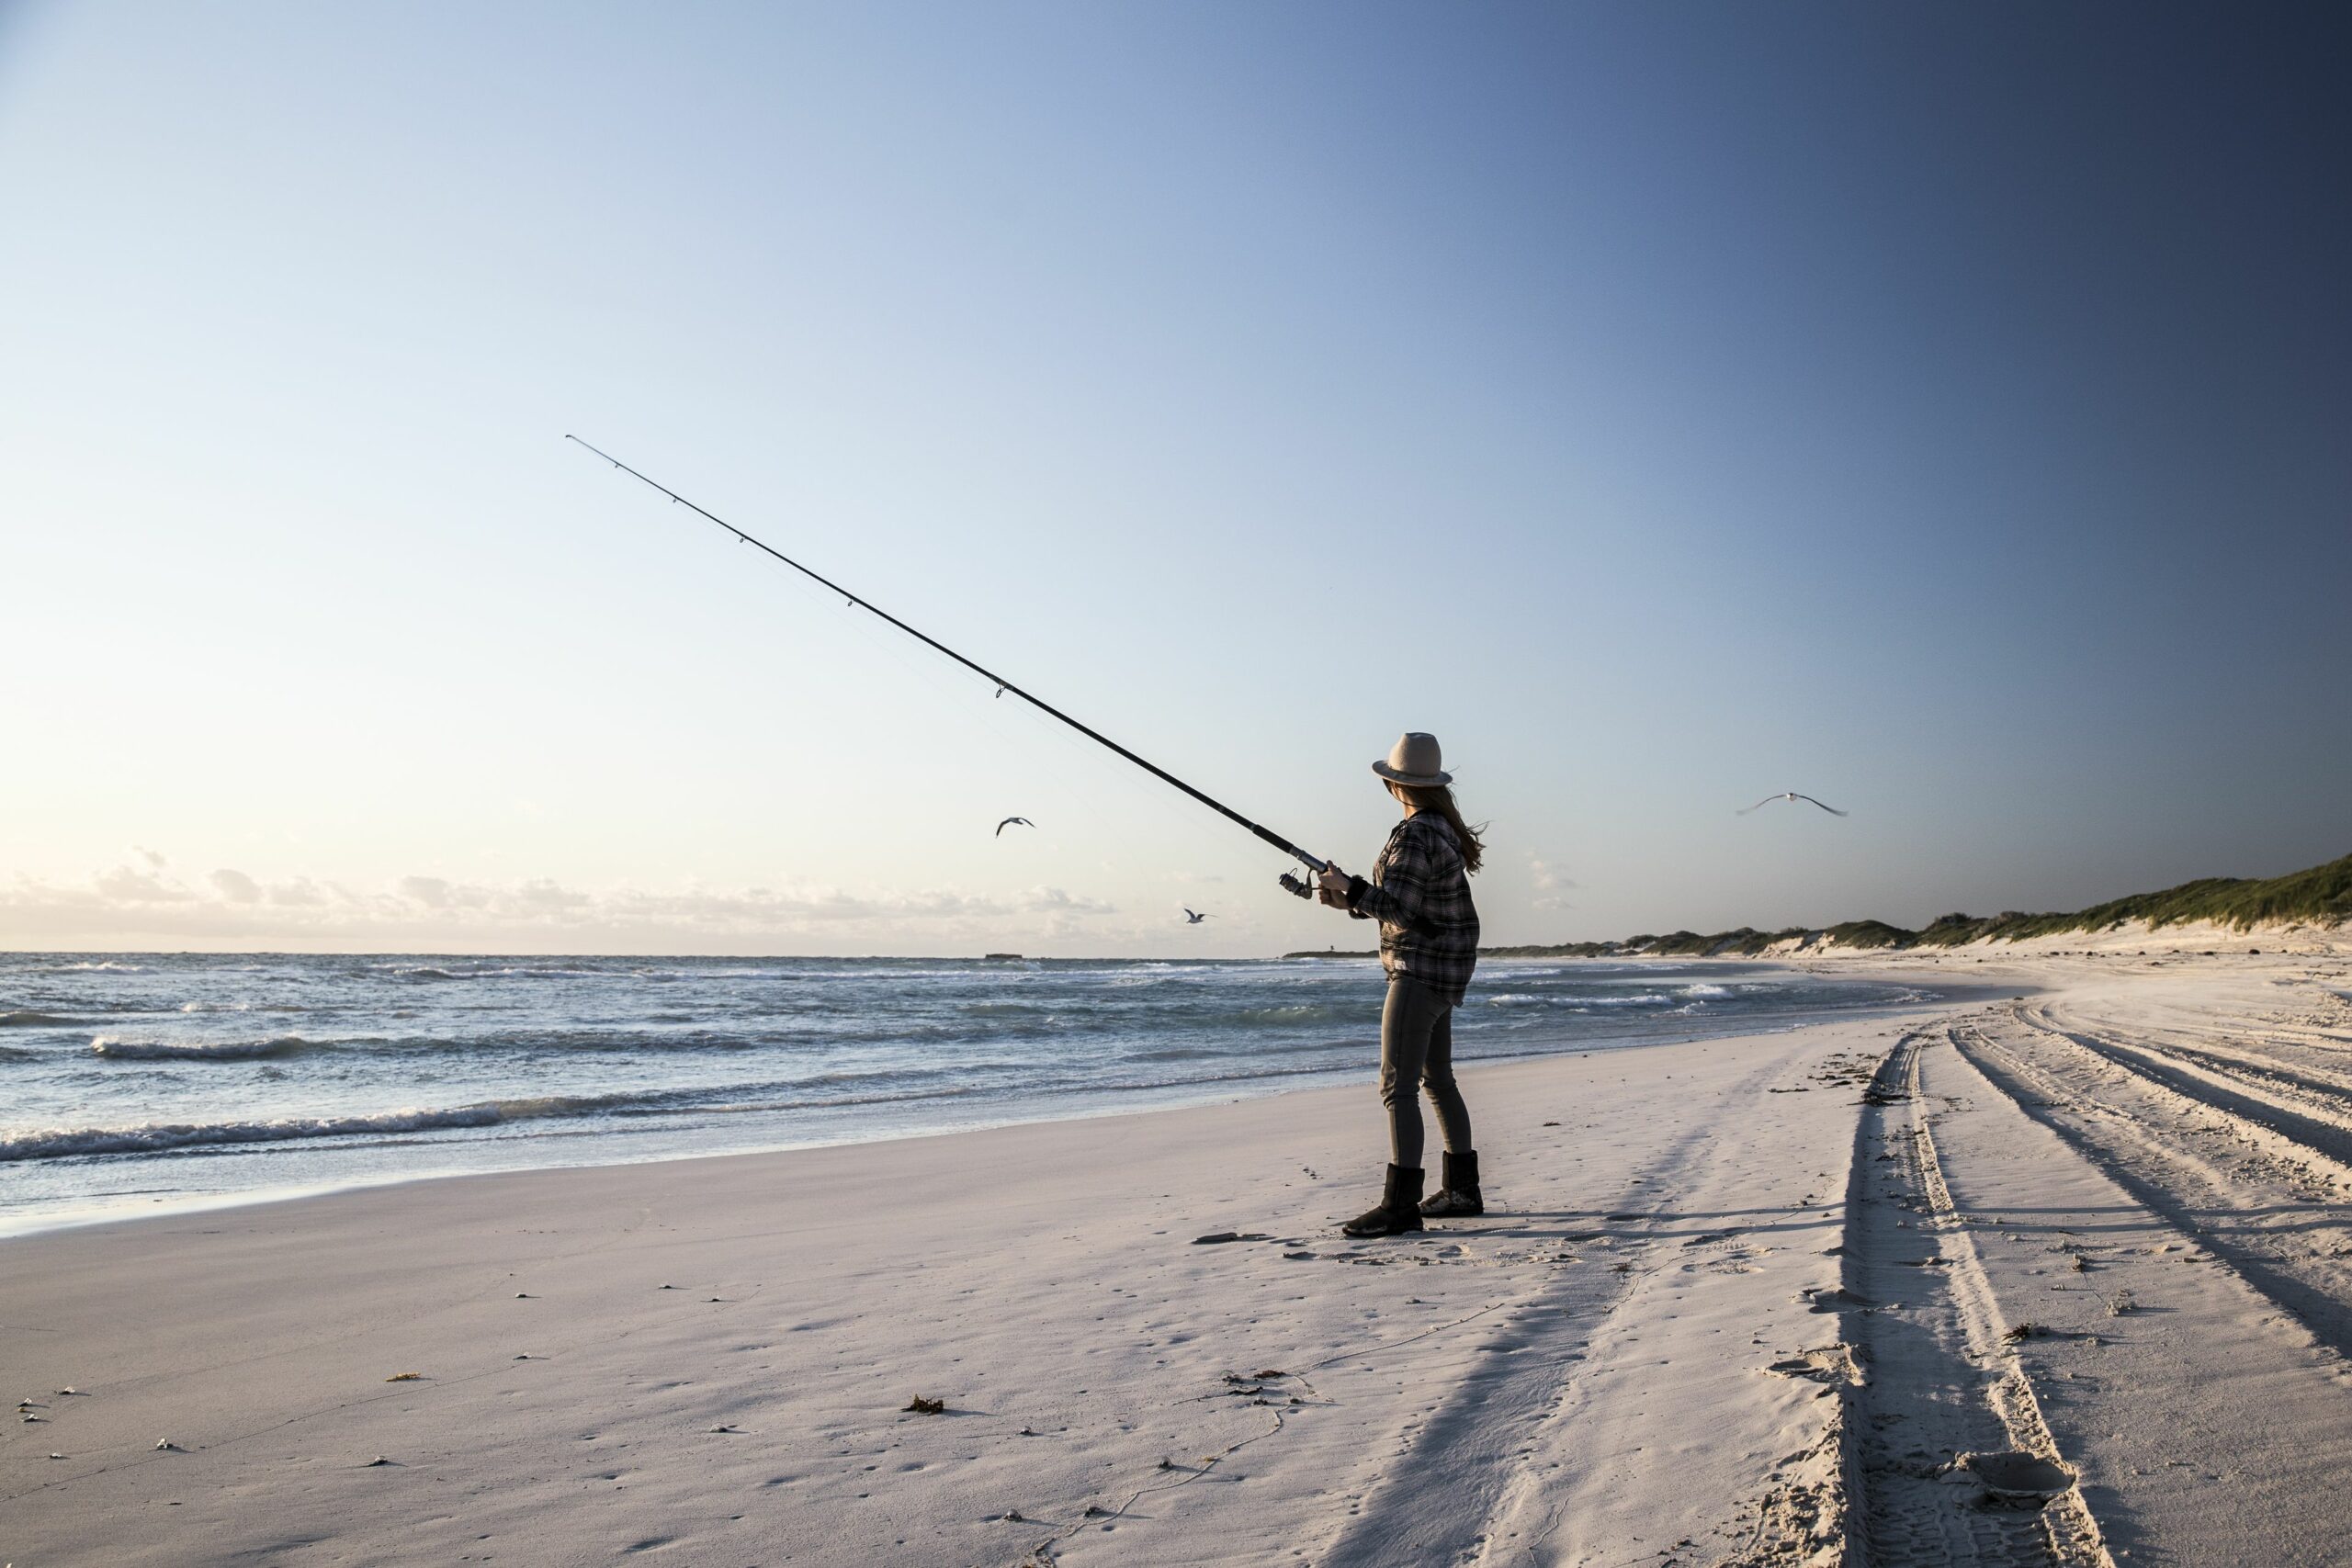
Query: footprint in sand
[2015, 1477]
[1827, 1364]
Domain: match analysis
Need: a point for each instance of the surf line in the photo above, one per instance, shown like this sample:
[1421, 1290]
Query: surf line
[1290, 882]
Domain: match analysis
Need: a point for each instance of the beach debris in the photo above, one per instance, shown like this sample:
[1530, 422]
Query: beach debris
[1271, 1373]
[1015, 1516]
[521, 1295]
[1787, 795]
[1027, 1432]
[665, 1287]
[1551, 1123]
[1096, 1511]
[1012, 822]
[29, 1415]
[372, 1463]
[919, 1405]
[165, 1444]
[406, 1377]
[2024, 1331]
[729, 1427]
[1218, 1238]
[70, 1394]
[57, 1456]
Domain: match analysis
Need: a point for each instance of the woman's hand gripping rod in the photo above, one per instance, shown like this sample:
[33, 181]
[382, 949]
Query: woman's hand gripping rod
[1293, 883]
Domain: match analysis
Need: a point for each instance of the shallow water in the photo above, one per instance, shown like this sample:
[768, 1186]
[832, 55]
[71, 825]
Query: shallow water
[131, 1081]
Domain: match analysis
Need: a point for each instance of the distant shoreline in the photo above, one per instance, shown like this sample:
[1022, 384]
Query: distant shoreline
[2321, 896]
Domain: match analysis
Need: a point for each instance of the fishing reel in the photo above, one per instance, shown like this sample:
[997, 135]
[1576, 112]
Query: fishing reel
[1293, 883]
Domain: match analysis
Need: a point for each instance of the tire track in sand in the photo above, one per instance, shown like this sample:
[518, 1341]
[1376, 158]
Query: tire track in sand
[2157, 1160]
[1936, 1382]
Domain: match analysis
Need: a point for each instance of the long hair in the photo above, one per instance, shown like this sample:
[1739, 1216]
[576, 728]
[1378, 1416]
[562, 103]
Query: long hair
[1438, 800]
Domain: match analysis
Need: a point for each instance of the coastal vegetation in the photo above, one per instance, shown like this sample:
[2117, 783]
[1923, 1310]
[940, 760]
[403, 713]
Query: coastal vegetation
[2319, 896]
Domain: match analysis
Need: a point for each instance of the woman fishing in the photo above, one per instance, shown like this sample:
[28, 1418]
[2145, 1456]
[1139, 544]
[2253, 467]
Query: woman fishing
[1419, 892]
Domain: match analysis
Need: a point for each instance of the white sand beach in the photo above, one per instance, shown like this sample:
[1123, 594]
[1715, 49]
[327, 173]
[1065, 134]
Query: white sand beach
[1738, 1300]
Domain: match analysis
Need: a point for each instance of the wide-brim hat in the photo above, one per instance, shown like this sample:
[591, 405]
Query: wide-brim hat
[1415, 760]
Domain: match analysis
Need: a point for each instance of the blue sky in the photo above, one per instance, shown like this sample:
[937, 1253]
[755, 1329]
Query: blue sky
[1937, 410]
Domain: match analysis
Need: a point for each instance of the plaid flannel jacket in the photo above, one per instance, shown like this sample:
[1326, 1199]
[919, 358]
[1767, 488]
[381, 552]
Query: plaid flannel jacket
[1419, 892]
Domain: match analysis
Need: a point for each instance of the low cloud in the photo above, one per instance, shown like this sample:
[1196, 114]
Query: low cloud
[299, 893]
[1549, 883]
[124, 885]
[236, 887]
[1053, 900]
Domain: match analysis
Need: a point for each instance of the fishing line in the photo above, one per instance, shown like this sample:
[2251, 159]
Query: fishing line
[1129, 786]
[967, 697]
[1290, 882]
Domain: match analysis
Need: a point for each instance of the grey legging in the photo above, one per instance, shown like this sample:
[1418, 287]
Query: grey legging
[1417, 1044]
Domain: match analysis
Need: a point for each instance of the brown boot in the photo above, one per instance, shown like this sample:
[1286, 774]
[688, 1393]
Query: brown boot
[1459, 1196]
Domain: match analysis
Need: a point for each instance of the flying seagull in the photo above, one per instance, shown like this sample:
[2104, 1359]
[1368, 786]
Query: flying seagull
[1789, 795]
[1192, 920]
[1011, 823]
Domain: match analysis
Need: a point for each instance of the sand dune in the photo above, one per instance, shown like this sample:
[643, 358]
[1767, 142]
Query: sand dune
[2054, 1270]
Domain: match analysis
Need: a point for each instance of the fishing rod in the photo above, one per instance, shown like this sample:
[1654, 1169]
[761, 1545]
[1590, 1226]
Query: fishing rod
[1290, 882]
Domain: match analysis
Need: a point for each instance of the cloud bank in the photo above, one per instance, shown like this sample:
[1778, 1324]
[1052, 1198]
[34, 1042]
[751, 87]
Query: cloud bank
[146, 905]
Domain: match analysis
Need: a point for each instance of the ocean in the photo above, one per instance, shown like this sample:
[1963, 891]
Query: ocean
[132, 1083]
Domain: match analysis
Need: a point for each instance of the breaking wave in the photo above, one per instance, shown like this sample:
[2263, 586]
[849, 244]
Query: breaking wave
[65, 1143]
[1577, 1002]
[25, 1018]
[119, 1050]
